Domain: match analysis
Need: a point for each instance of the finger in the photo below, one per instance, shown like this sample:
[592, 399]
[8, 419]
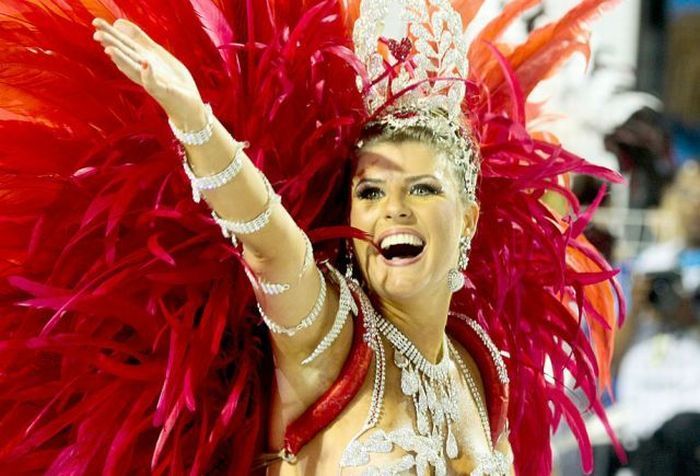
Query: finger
[107, 39]
[135, 32]
[125, 64]
[124, 39]
[131, 34]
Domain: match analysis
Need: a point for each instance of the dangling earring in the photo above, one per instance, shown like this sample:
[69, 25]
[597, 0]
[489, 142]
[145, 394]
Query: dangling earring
[349, 258]
[455, 276]
[465, 246]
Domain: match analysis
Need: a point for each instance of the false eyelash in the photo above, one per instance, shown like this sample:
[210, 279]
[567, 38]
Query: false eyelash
[431, 189]
[369, 192]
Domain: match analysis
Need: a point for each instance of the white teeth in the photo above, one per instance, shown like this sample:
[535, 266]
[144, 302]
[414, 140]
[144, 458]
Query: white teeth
[400, 239]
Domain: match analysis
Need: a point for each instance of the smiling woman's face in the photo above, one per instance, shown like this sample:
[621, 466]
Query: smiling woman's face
[404, 195]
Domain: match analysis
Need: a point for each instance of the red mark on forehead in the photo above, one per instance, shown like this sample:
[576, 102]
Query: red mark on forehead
[379, 163]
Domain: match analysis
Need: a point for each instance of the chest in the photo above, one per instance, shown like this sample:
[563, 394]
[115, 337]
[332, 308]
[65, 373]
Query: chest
[394, 444]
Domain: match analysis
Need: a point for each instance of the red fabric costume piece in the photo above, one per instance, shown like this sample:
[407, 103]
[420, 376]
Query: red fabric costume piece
[327, 408]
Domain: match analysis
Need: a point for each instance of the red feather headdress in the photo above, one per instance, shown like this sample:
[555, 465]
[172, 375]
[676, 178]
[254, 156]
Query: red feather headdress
[127, 338]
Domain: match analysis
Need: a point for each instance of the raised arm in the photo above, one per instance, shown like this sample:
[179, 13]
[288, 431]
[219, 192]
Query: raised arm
[298, 305]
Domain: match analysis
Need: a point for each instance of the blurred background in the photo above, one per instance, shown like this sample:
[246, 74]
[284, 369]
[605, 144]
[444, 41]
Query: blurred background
[635, 107]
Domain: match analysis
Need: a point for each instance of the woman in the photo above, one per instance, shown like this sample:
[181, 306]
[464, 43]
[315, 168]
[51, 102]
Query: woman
[366, 378]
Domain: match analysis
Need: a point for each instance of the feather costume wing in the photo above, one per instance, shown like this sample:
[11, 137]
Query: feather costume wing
[128, 343]
[123, 347]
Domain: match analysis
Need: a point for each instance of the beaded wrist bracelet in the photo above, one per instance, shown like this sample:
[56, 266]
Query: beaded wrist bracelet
[231, 228]
[199, 137]
[217, 180]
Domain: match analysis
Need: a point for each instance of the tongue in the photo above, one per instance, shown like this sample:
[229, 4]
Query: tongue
[402, 251]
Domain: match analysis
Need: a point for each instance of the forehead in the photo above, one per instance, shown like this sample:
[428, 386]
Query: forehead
[402, 158]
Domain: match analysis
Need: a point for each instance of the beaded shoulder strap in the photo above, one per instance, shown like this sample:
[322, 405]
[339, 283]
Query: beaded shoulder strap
[470, 335]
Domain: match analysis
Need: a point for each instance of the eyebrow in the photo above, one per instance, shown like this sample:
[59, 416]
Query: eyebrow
[413, 178]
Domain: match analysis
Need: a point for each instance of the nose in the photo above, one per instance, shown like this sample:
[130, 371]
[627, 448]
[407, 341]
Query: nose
[396, 208]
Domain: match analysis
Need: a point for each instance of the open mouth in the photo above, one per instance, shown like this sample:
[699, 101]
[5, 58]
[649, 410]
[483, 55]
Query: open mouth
[401, 247]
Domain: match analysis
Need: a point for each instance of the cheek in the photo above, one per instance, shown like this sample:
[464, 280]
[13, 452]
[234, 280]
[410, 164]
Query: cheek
[360, 219]
[444, 223]
[360, 215]
[353, 218]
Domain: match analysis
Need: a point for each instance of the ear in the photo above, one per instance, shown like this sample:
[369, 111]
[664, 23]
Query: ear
[470, 219]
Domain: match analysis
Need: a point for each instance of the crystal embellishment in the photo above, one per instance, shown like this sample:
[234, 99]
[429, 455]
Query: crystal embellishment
[439, 54]
[307, 321]
[436, 396]
[346, 305]
[220, 179]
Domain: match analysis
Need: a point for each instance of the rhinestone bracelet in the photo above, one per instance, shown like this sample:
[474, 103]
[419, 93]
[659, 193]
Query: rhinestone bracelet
[199, 137]
[231, 228]
[307, 321]
[220, 179]
[346, 304]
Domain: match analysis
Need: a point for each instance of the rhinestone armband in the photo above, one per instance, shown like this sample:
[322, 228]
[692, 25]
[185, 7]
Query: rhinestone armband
[307, 321]
[231, 228]
[217, 180]
[346, 304]
[199, 137]
[275, 289]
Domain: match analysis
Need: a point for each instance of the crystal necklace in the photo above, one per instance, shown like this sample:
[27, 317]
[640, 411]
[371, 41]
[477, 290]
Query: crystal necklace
[435, 393]
[436, 400]
[430, 386]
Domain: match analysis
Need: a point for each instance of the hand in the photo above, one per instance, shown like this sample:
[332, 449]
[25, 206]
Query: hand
[152, 67]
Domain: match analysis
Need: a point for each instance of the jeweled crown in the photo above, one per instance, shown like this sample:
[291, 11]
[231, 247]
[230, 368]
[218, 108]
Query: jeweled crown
[425, 68]
[415, 55]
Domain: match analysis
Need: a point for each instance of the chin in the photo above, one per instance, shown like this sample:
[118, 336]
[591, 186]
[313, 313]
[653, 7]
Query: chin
[398, 291]
[400, 285]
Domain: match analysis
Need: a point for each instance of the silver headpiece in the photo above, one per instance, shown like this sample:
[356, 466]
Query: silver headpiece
[416, 62]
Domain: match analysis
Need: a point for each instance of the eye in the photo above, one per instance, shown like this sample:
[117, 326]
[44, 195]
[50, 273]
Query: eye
[423, 189]
[369, 192]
